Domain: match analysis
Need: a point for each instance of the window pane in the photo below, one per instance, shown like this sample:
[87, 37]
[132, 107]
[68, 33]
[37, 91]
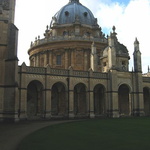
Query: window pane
[58, 60]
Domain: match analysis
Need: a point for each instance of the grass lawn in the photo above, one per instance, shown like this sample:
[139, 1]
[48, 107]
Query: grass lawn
[99, 134]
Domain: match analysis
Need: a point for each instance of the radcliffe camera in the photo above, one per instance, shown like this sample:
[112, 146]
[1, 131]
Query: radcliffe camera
[75, 70]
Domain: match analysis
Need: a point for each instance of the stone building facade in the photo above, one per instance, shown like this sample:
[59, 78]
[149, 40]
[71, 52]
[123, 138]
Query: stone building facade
[75, 71]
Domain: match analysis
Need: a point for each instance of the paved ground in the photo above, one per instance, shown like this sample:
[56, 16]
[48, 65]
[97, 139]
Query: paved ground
[12, 134]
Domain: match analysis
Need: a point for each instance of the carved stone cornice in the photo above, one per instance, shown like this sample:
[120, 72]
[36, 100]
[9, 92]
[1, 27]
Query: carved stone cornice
[5, 4]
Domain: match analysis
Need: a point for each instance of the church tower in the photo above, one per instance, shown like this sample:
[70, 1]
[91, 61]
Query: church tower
[8, 62]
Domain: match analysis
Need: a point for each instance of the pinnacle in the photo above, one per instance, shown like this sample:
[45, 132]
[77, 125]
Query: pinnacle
[136, 41]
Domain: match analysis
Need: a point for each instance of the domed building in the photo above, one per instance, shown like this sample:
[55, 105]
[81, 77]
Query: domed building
[75, 70]
[68, 40]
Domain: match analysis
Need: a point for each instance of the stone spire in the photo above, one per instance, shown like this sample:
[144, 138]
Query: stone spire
[112, 49]
[137, 57]
[75, 1]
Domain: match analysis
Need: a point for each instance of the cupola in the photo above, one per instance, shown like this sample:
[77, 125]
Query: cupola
[73, 11]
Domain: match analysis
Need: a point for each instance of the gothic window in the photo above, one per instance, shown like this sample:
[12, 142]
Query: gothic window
[58, 60]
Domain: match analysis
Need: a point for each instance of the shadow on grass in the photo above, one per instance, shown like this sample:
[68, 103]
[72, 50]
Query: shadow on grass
[97, 134]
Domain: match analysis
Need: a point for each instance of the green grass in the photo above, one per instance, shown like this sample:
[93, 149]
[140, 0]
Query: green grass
[100, 134]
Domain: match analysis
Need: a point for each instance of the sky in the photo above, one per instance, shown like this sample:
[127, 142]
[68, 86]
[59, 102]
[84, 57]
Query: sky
[130, 17]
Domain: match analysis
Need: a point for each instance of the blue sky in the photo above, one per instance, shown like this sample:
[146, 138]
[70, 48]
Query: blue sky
[131, 19]
[122, 1]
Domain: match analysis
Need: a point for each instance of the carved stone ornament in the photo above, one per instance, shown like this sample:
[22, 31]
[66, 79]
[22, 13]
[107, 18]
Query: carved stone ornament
[5, 4]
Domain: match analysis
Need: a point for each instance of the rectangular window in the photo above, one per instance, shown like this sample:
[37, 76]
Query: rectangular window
[58, 60]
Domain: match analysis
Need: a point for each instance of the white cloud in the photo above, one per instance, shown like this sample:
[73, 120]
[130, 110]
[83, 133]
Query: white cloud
[131, 21]
[31, 18]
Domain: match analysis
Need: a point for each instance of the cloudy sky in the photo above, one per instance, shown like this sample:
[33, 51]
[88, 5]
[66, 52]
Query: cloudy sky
[131, 18]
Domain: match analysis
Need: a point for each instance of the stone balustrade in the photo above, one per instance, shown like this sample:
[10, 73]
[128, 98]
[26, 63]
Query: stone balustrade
[66, 38]
[146, 79]
[36, 70]
[61, 72]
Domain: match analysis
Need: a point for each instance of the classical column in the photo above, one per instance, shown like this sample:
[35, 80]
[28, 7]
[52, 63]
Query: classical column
[94, 57]
[45, 59]
[37, 60]
[85, 61]
[73, 58]
[66, 59]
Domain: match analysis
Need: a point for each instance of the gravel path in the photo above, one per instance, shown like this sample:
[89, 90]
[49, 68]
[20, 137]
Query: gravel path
[11, 134]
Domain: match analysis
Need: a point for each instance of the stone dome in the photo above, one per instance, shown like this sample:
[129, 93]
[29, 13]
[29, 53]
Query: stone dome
[74, 12]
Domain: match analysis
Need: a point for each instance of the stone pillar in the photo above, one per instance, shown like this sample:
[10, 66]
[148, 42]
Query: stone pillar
[71, 94]
[115, 111]
[88, 103]
[138, 101]
[48, 103]
[71, 104]
[23, 104]
[113, 91]
[23, 93]
[37, 60]
[45, 59]
[73, 58]
[94, 60]
[50, 58]
[48, 94]
[85, 61]
[91, 96]
[92, 115]
[130, 104]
